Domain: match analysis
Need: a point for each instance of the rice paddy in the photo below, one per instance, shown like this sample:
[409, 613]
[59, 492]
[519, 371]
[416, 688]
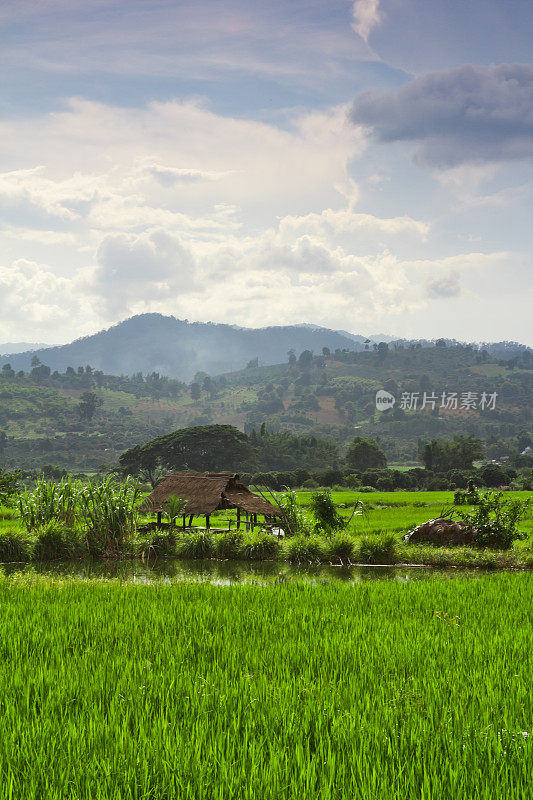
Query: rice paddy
[382, 690]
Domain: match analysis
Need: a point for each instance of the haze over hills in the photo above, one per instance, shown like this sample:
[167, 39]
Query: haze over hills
[20, 347]
[178, 348]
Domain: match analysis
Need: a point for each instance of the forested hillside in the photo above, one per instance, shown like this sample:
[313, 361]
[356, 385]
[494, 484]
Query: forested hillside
[82, 418]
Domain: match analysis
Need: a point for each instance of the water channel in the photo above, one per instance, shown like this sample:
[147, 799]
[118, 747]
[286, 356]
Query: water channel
[230, 572]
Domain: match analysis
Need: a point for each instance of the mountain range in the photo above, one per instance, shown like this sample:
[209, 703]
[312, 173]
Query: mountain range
[179, 349]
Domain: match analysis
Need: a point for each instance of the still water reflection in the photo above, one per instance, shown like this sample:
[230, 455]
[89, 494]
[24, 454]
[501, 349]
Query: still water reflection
[229, 572]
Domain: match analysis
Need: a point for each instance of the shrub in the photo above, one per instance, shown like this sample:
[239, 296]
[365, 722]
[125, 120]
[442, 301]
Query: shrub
[366, 489]
[304, 548]
[353, 481]
[341, 547]
[310, 483]
[493, 475]
[458, 477]
[494, 520]
[524, 480]
[327, 477]
[324, 511]
[377, 549]
[438, 484]
[260, 546]
[470, 497]
[385, 484]
[15, 545]
[228, 545]
[196, 545]
[55, 541]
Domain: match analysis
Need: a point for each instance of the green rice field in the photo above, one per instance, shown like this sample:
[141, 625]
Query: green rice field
[381, 690]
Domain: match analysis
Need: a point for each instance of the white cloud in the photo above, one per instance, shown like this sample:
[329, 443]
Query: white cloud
[241, 162]
[150, 267]
[34, 298]
[346, 220]
[184, 211]
[366, 16]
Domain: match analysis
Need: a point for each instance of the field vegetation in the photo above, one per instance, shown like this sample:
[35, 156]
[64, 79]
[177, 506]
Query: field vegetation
[76, 519]
[381, 690]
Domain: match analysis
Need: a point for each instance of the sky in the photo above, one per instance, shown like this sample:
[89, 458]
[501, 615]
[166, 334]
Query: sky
[364, 165]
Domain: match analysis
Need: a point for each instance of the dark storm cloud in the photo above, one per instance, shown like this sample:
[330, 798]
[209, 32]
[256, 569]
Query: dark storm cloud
[464, 115]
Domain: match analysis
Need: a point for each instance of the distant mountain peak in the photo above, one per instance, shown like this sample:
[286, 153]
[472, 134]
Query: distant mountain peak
[179, 348]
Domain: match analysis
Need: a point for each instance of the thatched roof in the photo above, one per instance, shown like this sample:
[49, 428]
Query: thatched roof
[206, 492]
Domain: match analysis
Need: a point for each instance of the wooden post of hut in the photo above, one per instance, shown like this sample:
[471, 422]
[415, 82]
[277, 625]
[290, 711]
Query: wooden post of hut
[238, 518]
[207, 523]
[159, 519]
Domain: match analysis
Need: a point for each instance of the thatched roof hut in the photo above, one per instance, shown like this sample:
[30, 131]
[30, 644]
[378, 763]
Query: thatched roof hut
[206, 492]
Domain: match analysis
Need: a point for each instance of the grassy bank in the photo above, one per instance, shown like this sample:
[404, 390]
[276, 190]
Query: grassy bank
[374, 538]
[291, 691]
[339, 549]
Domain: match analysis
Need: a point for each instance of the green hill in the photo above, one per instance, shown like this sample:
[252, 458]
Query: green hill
[79, 420]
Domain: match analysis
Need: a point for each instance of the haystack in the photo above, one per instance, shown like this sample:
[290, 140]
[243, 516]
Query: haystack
[442, 531]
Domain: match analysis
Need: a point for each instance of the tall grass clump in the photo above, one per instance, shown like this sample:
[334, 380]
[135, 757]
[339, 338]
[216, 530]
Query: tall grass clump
[228, 545]
[260, 546]
[304, 549]
[198, 544]
[108, 511]
[341, 547]
[160, 544]
[16, 545]
[377, 549]
[50, 502]
[55, 541]
[7, 513]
